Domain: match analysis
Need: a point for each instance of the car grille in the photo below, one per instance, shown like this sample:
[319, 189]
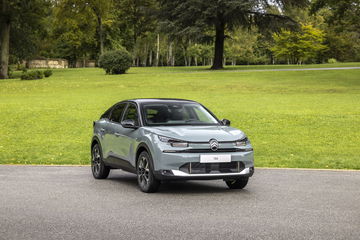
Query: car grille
[212, 168]
[205, 150]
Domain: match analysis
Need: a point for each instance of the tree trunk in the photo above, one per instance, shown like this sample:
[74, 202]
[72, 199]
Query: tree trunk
[185, 58]
[170, 54]
[101, 35]
[144, 60]
[4, 50]
[158, 50]
[219, 44]
[150, 58]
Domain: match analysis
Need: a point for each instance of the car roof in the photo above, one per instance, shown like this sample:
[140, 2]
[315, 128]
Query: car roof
[152, 100]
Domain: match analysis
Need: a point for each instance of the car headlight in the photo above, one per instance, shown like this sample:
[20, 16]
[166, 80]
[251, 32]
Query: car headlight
[242, 142]
[173, 142]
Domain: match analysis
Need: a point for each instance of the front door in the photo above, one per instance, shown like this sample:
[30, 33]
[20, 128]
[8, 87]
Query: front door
[126, 137]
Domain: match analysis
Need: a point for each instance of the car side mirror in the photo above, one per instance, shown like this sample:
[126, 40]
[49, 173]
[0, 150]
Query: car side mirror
[128, 123]
[225, 122]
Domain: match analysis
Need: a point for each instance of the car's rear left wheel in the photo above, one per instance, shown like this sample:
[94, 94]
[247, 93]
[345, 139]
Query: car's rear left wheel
[146, 179]
[238, 183]
[98, 168]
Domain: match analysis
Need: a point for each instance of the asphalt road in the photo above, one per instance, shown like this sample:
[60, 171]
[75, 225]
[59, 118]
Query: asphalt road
[67, 203]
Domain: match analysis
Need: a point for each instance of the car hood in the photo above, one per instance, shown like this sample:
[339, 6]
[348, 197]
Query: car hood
[198, 133]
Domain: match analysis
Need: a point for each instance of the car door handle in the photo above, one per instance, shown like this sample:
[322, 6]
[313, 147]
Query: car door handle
[117, 134]
[102, 129]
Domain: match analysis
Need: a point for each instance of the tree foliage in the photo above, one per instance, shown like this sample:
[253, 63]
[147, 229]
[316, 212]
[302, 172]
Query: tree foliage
[343, 27]
[21, 28]
[298, 47]
[180, 32]
[194, 18]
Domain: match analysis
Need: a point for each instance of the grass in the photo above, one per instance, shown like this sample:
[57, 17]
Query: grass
[306, 119]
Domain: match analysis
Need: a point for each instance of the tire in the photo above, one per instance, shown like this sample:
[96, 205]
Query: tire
[238, 183]
[98, 168]
[144, 171]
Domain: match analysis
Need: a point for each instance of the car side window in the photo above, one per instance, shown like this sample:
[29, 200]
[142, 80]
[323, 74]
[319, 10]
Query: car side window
[132, 114]
[117, 112]
[106, 114]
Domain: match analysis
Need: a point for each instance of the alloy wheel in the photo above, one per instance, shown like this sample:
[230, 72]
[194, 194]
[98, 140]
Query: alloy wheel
[96, 160]
[143, 171]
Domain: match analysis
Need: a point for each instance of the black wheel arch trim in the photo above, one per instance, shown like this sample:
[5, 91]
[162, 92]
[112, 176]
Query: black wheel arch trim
[137, 154]
[95, 139]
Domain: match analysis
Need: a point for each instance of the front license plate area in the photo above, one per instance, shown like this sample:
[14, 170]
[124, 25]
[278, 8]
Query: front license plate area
[215, 158]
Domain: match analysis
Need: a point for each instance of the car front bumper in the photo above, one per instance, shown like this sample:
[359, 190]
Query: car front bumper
[170, 166]
[180, 175]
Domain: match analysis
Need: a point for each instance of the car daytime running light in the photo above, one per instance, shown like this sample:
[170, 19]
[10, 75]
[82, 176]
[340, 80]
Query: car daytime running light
[173, 142]
[242, 142]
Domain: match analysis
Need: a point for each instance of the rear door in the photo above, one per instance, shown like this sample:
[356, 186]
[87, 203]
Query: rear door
[113, 123]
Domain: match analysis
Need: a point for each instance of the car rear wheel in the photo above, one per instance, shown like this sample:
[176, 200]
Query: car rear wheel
[146, 180]
[98, 168]
[238, 183]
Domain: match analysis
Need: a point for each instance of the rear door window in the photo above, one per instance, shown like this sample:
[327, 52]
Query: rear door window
[117, 113]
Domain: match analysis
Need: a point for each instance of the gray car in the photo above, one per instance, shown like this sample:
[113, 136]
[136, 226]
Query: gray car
[169, 139]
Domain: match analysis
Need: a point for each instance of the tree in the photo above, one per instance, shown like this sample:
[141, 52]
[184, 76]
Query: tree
[298, 47]
[16, 17]
[136, 18]
[74, 31]
[341, 10]
[194, 17]
[343, 27]
[241, 46]
[101, 9]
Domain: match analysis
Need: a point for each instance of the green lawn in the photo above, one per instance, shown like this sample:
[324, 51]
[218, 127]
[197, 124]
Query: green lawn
[307, 119]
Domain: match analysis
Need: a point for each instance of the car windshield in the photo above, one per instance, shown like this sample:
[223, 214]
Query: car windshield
[168, 114]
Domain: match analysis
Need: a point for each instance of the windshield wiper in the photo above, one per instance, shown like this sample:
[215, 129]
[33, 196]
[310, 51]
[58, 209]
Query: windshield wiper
[193, 120]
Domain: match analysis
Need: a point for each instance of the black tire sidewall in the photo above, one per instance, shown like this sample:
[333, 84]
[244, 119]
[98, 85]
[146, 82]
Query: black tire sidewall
[238, 183]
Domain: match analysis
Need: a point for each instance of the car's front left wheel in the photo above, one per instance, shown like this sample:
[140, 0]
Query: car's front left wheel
[146, 179]
[238, 183]
[98, 168]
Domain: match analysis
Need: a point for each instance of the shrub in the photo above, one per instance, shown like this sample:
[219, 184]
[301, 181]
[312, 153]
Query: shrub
[21, 68]
[48, 73]
[32, 75]
[332, 60]
[115, 62]
[39, 74]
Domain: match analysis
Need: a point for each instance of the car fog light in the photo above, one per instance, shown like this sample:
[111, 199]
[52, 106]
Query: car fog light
[166, 172]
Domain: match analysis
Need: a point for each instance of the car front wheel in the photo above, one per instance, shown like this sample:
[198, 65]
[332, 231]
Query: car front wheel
[146, 180]
[238, 183]
[98, 168]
